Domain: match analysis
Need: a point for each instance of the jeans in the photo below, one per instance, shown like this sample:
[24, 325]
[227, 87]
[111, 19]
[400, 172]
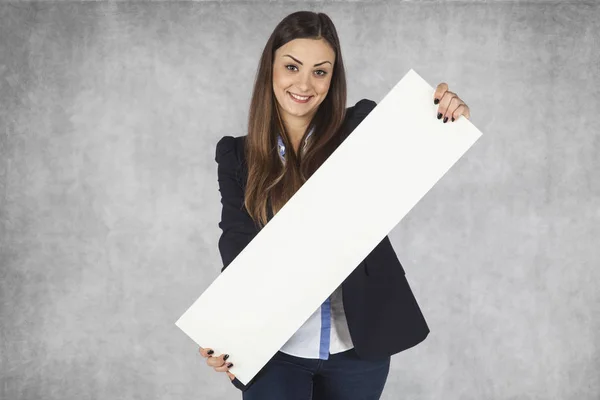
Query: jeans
[342, 377]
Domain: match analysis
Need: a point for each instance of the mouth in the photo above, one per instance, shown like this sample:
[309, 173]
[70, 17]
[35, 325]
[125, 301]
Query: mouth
[300, 99]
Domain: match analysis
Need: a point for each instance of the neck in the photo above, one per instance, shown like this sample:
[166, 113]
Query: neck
[295, 135]
[295, 128]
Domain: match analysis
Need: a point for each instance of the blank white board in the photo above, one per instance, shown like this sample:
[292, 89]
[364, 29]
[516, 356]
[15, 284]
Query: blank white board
[361, 192]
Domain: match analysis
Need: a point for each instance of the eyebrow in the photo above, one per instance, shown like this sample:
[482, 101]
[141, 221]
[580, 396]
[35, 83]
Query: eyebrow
[300, 62]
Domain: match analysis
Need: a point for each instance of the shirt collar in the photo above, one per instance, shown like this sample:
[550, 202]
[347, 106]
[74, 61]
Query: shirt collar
[281, 145]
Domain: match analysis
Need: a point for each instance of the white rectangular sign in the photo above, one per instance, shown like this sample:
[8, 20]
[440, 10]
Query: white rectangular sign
[361, 192]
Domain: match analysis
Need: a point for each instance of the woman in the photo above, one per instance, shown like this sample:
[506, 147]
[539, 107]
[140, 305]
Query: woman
[297, 118]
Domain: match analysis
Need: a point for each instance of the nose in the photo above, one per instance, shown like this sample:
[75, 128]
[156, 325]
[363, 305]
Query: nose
[304, 82]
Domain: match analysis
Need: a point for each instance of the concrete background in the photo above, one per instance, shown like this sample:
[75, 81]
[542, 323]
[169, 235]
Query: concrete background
[109, 117]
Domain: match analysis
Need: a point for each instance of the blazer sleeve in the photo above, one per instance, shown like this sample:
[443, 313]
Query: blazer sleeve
[238, 228]
[237, 225]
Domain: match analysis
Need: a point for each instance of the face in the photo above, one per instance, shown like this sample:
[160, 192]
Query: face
[302, 67]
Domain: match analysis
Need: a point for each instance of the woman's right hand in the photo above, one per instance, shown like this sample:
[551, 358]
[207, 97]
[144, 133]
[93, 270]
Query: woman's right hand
[219, 363]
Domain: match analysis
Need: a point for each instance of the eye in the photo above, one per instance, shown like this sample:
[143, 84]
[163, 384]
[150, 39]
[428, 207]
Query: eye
[293, 66]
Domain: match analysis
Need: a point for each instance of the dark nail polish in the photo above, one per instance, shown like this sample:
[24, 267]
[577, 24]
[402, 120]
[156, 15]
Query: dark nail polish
[229, 365]
[439, 115]
[452, 119]
[211, 352]
[445, 119]
[225, 357]
[436, 101]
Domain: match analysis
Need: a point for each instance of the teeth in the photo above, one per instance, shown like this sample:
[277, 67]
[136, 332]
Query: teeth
[298, 97]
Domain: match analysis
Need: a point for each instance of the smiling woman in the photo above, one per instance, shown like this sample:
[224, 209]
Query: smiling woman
[297, 118]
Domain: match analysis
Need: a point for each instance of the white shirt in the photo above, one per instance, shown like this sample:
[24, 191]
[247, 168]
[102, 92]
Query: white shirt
[326, 330]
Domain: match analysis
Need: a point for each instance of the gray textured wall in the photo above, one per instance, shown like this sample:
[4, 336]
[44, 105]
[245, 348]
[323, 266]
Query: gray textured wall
[109, 116]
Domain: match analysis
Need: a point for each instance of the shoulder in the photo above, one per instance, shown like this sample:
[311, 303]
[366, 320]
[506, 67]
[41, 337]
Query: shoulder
[356, 114]
[230, 149]
[361, 109]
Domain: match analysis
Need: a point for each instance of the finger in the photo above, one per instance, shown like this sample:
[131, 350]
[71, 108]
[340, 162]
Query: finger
[467, 111]
[462, 109]
[230, 375]
[444, 104]
[439, 92]
[452, 106]
[206, 352]
[217, 361]
[224, 368]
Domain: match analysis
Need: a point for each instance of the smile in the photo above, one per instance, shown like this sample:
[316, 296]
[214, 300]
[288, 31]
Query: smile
[300, 99]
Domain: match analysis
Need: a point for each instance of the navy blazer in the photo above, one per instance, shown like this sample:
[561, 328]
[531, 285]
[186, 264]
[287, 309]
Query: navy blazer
[382, 313]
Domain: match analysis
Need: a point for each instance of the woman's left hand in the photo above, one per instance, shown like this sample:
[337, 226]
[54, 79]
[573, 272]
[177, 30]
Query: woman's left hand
[450, 105]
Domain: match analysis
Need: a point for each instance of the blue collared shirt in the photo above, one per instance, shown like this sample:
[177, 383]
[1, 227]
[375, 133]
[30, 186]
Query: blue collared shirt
[281, 145]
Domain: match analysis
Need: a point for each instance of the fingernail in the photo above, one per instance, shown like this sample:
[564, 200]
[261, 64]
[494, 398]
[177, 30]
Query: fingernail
[225, 357]
[439, 115]
[436, 101]
[229, 365]
[445, 119]
[210, 352]
[452, 119]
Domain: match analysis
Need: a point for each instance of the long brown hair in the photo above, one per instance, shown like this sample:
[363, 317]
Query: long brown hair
[270, 181]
